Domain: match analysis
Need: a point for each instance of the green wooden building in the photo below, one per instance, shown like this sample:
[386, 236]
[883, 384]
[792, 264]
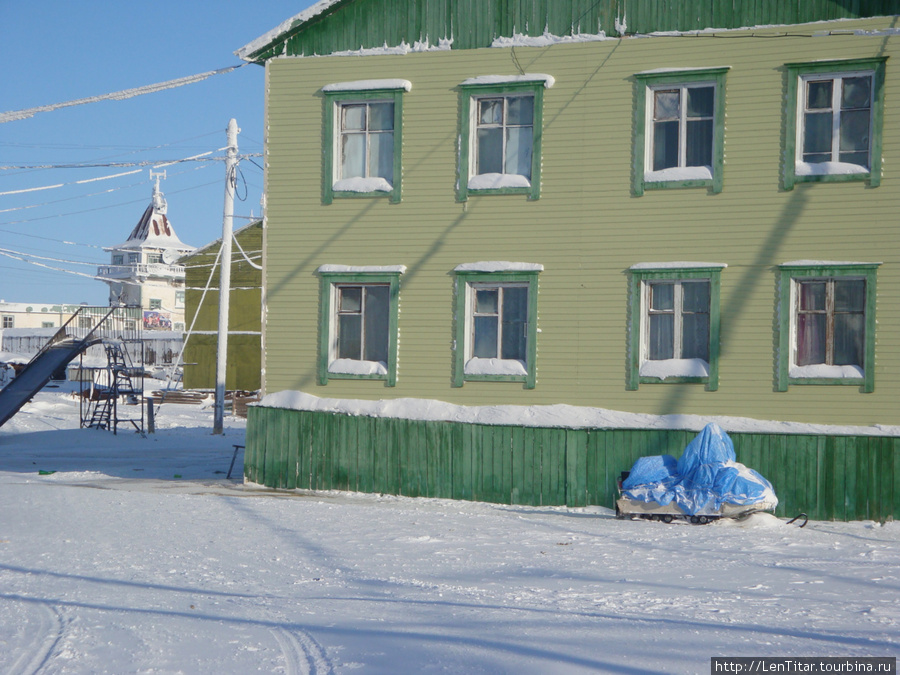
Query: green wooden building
[244, 316]
[635, 205]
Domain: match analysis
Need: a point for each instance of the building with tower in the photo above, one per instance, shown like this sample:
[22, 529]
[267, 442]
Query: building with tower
[144, 270]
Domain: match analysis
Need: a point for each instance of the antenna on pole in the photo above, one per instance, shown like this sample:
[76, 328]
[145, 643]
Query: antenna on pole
[159, 202]
[225, 276]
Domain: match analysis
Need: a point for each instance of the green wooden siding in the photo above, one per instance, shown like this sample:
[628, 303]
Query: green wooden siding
[586, 229]
[353, 24]
[244, 351]
[826, 477]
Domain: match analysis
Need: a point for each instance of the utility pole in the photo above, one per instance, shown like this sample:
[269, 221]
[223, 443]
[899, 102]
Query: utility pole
[225, 275]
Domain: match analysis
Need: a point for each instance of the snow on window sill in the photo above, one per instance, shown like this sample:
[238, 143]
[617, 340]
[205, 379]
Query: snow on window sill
[820, 370]
[357, 367]
[829, 169]
[497, 181]
[665, 368]
[678, 174]
[477, 366]
[368, 85]
[376, 184]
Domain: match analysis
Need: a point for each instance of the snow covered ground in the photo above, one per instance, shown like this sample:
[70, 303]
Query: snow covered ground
[138, 556]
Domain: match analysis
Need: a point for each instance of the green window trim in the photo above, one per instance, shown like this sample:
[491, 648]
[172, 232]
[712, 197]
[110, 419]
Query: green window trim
[789, 272]
[332, 101]
[643, 275]
[470, 92]
[795, 73]
[461, 343]
[327, 283]
[646, 82]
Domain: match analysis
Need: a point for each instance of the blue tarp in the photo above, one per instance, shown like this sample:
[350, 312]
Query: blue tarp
[701, 480]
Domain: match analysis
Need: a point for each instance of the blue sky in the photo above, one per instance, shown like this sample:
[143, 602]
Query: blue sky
[62, 50]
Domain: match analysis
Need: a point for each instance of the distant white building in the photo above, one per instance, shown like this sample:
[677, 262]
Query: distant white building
[143, 271]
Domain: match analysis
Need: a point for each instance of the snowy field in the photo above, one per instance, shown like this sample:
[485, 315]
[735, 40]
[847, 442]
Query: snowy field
[137, 555]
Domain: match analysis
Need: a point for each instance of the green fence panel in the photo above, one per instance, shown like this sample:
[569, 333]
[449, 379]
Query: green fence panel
[827, 477]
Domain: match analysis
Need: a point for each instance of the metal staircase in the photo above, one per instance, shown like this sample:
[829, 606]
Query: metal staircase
[120, 382]
[119, 326]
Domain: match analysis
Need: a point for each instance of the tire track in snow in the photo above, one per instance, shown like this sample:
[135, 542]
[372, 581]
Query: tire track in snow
[49, 632]
[303, 655]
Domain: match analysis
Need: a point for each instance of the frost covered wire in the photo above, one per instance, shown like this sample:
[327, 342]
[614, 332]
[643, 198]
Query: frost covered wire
[14, 115]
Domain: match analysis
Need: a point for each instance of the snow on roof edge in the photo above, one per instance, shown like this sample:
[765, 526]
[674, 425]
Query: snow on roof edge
[285, 26]
[553, 416]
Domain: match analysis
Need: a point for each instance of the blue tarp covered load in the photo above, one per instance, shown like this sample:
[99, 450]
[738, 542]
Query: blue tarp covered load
[701, 480]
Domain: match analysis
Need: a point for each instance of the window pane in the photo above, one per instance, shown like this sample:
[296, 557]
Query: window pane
[817, 134]
[812, 295]
[381, 157]
[667, 105]
[353, 118]
[699, 143]
[518, 151]
[353, 156]
[810, 339]
[662, 336]
[849, 339]
[515, 320]
[696, 296]
[701, 101]
[490, 151]
[486, 301]
[855, 130]
[662, 297]
[665, 145]
[485, 342]
[855, 93]
[351, 299]
[381, 116]
[818, 94]
[695, 336]
[520, 110]
[849, 295]
[490, 111]
[378, 306]
[349, 336]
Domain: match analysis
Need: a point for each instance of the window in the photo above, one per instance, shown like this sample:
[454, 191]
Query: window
[834, 118]
[680, 123]
[500, 135]
[155, 303]
[827, 332]
[48, 324]
[154, 258]
[359, 310]
[179, 299]
[674, 334]
[363, 135]
[9, 321]
[496, 327]
[118, 259]
[134, 258]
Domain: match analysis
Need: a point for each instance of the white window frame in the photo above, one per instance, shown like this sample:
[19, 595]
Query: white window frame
[836, 112]
[678, 314]
[155, 304]
[340, 132]
[681, 171]
[338, 365]
[792, 274]
[9, 321]
[502, 366]
[508, 180]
